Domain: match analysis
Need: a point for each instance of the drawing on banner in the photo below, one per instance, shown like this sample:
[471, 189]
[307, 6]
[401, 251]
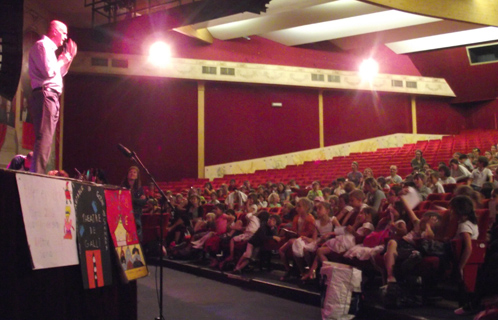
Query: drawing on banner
[132, 259]
[49, 219]
[94, 269]
[124, 234]
[120, 233]
[93, 240]
[68, 224]
[67, 193]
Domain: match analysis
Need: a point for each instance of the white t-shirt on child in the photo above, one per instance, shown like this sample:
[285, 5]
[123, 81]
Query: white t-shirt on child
[324, 229]
[252, 223]
[479, 177]
[468, 227]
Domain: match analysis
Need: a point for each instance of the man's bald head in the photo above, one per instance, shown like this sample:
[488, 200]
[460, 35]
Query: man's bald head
[57, 31]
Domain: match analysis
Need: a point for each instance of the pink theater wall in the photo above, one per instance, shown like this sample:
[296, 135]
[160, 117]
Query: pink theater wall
[352, 116]
[155, 117]
[483, 115]
[440, 117]
[241, 123]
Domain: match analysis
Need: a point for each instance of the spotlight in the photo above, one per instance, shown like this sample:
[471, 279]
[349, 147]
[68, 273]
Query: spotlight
[160, 54]
[369, 69]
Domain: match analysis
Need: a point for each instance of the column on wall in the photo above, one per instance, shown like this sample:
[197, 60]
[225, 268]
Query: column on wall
[320, 118]
[414, 114]
[201, 88]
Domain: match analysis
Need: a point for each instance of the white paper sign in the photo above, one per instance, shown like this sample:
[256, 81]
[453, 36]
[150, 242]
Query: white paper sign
[412, 198]
[48, 213]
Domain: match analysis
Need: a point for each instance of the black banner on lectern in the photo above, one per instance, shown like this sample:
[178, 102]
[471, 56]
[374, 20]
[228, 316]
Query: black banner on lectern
[93, 238]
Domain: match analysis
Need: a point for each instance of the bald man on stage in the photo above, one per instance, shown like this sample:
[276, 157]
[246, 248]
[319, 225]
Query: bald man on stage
[46, 71]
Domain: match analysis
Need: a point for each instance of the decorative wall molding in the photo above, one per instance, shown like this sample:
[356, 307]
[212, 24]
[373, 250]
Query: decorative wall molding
[327, 153]
[209, 70]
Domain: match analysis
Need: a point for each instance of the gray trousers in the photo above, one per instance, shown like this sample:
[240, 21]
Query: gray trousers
[44, 108]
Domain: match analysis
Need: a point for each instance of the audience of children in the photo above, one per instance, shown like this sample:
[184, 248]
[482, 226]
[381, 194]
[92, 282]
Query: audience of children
[342, 221]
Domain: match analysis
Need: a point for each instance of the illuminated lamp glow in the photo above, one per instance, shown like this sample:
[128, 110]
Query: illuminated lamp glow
[160, 54]
[369, 69]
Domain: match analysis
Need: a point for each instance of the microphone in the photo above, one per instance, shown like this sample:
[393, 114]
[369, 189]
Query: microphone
[124, 150]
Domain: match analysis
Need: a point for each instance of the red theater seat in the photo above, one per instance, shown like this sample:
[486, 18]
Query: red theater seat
[275, 211]
[450, 187]
[439, 196]
[437, 204]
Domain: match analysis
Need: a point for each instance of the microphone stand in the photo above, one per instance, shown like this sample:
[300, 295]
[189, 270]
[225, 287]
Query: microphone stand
[135, 158]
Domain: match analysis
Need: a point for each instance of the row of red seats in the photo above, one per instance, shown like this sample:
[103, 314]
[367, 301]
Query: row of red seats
[380, 161]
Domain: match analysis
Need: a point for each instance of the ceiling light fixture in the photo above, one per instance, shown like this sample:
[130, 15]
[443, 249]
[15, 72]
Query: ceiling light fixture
[369, 68]
[160, 54]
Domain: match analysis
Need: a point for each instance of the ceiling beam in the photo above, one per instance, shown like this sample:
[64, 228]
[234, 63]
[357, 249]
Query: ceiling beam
[200, 34]
[366, 40]
[474, 11]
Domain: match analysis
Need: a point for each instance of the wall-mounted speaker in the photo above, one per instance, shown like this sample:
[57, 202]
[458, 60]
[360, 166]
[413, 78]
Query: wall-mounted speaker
[484, 53]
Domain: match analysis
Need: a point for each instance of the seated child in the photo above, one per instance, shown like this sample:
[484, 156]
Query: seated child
[327, 192]
[219, 226]
[315, 191]
[340, 186]
[204, 226]
[302, 225]
[267, 231]
[213, 198]
[247, 232]
[334, 204]
[383, 184]
[324, 225]
[343, 207]
[356, 204]
[236, 199]
[435, 184]
[262, 202]
[273, 200]
[345, 238]
[288, 213]
[480, 174]
[399, 250]
[373, 244]
[250, 205]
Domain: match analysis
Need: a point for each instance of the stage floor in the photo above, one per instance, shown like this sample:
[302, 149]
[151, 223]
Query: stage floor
[204, 293]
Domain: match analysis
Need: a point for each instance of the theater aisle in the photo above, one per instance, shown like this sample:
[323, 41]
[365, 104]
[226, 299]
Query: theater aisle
[187, 296]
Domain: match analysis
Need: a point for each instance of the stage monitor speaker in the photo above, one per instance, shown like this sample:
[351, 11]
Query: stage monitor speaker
[11, 25]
